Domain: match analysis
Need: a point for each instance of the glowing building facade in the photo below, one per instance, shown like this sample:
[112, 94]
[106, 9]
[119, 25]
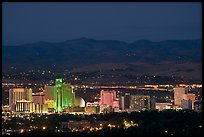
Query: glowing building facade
[179, 92]
[38, 98]
[92, 108]
[139, 102]
[23, 106]
[190, 97]
[109, 98]
[63, 95]
[18, 94]
[49, 92]
[29, 94]
[163, 106]
[182, 99]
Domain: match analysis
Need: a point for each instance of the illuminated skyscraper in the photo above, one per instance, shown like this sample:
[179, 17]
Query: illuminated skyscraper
[39, 98]
[68, 96]
[17, 94]
[179, 92]
[63, 95]
[49, 97]
[29, 95]
[139, 102]
[109, 98]
[191, 97]
[49, 92]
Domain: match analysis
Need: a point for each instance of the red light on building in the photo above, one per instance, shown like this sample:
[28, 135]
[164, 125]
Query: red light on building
[109, 98]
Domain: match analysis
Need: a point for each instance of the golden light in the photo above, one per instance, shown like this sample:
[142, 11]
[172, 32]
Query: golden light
[22, 130]
[43, 128]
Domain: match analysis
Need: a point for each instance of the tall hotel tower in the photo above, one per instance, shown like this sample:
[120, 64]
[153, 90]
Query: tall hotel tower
[63, 95]
[179, 92]
[18, 94]
[109, 98]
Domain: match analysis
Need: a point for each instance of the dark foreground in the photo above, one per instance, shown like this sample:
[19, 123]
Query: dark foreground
[153, 123]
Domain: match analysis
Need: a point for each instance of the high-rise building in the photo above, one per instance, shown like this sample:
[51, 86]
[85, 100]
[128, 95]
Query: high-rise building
[49, 92]
[124, 101]
[152, 103]
[17, 94]
[139, 102]
[191, 97]
[186, 104]
[68, 96]
[127, 101]
[179, 92]
[29, 95]
[49, 98]
[39, 98]
[63, 95]
[109, 98]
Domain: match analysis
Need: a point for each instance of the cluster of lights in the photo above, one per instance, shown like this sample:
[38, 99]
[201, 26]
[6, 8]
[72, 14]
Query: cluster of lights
[93, 129]
[112, 126]
[89, 129]
[130, 124]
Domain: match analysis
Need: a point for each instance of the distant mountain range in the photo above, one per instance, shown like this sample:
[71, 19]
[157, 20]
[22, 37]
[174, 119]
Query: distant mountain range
[85, 51]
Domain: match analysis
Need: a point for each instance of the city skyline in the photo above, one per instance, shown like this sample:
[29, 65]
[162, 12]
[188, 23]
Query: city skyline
[95, 69]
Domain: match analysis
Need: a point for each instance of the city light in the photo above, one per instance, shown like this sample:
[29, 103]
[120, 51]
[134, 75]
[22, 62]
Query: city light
[22, 130]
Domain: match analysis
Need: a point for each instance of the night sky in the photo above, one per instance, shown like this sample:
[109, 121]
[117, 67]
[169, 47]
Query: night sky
[56, 22]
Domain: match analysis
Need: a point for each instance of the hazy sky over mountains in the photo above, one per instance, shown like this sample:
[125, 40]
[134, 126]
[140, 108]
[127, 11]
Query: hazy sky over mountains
[55, 22]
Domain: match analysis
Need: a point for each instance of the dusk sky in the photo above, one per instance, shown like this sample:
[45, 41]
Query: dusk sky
[28, 22]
